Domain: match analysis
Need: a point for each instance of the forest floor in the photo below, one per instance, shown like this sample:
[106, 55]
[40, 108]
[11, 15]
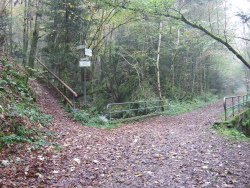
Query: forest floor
[166, 151]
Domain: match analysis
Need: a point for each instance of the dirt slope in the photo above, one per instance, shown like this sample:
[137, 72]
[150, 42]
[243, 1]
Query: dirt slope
[167, 151]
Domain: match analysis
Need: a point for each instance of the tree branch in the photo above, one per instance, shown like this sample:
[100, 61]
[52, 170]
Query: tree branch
[181, 18]
[218, 39]
[242, 38]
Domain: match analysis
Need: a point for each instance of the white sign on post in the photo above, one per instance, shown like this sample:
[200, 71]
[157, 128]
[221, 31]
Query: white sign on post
[84, 62]
[88, 52]
[80, 47]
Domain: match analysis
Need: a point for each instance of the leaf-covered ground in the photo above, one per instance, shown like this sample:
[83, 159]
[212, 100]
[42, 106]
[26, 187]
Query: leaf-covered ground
[167, 151]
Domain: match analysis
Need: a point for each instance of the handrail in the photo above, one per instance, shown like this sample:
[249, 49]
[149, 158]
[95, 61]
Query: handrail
[66, 98]
[235, 103]
[146, 106]
[71, 90]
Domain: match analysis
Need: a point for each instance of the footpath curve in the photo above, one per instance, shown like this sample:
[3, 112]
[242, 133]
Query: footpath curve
[166, 151]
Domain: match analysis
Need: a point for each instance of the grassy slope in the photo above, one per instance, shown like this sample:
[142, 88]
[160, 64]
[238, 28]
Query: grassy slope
[20, 119]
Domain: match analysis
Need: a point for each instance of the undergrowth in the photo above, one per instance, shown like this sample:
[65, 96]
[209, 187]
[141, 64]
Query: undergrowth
[237, 127]
[91, 118]
[176, 107]
[20, 119]
[228, 130]
[187, 106]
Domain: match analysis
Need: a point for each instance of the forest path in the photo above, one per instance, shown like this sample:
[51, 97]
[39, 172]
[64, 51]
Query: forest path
[166, 151]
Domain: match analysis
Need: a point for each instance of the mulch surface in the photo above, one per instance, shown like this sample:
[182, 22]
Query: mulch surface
[166, 151]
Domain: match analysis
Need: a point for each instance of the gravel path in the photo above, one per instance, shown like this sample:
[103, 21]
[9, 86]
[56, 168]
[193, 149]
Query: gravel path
[166, 151]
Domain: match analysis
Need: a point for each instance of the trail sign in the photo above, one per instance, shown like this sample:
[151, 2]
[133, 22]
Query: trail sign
[84, 62]
[88, 52]
[80, 47]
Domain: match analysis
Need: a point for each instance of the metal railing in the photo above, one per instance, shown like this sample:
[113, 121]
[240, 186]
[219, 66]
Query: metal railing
[236, 103]
[138, 108]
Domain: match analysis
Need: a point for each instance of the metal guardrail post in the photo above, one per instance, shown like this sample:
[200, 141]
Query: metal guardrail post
[129, 108]
[236, 104]
[110, 115]
[225, 108]
[143, 106]
[233, 105]
[243, 103]
[109, 111]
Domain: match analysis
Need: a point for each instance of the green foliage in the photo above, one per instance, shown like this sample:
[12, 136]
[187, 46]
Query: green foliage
[178, 107]
[20, 118]
[90, 119]
[244, 17]
[246, 122]
[151, 6]
[11, 139]
[236, 127]
[81, 115]
[69, 26]
[124, 43]
[101, 101]
[228, 130]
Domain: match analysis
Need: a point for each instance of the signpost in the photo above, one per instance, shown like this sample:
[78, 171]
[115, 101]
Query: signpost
[85, 62]
[80, 47]
[88, 52]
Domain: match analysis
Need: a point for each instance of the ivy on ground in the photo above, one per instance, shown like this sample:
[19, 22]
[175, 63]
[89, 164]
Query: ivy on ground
[20, 119]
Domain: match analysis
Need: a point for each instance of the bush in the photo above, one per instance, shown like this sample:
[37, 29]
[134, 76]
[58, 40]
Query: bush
[90, 118]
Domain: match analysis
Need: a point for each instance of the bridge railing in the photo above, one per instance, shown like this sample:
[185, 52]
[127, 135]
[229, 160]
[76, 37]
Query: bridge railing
[234, 104]
[137, 108]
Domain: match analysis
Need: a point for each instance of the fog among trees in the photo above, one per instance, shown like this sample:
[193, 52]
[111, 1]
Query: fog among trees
[142, 49]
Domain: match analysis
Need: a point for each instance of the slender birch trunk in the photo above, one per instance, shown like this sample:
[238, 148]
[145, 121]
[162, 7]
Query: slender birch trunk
[173, 63]
[158, 60]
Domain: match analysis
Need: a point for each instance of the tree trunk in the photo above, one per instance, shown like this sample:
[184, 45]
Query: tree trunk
[158, 61]
[194, 76]
[2, 7]
[65, 68]
[3, 4]
[205, 77]
[201, 78]
[11, 28]
[173, 63]
[35, 38]
[25, 32]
